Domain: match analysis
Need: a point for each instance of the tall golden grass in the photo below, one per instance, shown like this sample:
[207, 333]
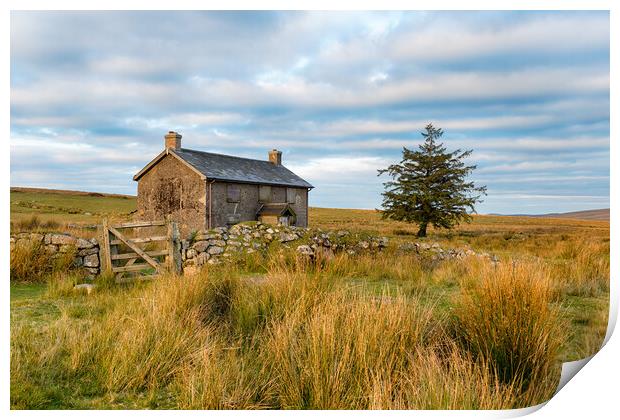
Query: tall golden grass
[304, 338]
[30, 262]
[393, 330]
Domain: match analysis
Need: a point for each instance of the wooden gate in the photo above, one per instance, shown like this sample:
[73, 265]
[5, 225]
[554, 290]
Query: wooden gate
[130, 257]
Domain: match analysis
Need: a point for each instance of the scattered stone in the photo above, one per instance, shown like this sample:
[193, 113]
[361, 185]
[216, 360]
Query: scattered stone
[83, 243]
[91, 261]
[86, 251]
[217, 242]
[202, 258]
[305, 250]
[87, 287]
[201, 246]
[191, 253]
[215, 250]
[62, 239]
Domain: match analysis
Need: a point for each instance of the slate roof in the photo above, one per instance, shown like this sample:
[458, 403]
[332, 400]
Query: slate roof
[234, 169]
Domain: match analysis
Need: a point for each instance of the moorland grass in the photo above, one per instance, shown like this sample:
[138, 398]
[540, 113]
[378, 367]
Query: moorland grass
[391, 330]
[302, 336]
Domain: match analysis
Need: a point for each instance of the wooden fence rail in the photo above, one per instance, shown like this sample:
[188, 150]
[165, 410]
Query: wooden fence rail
[138, 261]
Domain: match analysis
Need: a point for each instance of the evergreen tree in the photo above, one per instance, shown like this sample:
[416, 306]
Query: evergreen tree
[428, 186]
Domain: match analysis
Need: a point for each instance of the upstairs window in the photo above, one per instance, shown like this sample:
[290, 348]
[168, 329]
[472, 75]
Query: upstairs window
[233, 193]
[264, 193]
[291, 195]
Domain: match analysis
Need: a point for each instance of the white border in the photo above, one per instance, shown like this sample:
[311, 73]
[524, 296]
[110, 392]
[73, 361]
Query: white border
[592, 393]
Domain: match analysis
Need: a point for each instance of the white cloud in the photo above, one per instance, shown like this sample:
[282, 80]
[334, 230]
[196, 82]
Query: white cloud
[455, 40]
[339, 93]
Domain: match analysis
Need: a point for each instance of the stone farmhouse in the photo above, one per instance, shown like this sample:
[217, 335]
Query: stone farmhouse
[202, 190]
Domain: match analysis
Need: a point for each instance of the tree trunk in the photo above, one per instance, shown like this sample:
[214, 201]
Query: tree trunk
[422, 230]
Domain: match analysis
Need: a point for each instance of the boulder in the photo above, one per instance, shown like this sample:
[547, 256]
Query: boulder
[205, 236]
[217, 242]
[91, 261]
[305, 250]
[86, 251]
[84, 244]
[202, 258]
[201, 246]
[215, 250]
[62, 239]
[408, 246]
[191, 253]
[287, 237]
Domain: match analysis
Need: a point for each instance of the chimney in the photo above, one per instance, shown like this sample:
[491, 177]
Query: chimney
[275, 157]
[173, 140]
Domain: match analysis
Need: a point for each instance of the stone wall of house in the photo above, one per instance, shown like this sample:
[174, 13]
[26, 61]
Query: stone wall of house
[85, 251]
[172, 188]
[225, 213]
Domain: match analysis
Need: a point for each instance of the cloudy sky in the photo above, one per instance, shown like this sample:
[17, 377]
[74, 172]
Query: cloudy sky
[93, 93]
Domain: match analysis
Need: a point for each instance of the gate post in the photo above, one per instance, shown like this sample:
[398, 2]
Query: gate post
[106, 259]
[174, 252]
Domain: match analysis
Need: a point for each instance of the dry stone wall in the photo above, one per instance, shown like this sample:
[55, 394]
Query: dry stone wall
[85, 251]
[219, 244]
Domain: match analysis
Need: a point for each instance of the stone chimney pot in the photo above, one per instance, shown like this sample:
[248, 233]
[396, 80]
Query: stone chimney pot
[173, 140]
[275, 157]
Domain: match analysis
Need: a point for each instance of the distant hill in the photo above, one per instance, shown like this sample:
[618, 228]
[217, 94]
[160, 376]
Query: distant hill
[67, 192]
[597, 214]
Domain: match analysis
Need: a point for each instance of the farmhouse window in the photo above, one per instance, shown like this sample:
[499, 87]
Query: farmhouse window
[233, 193]
[291, 194]
[264, 193]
